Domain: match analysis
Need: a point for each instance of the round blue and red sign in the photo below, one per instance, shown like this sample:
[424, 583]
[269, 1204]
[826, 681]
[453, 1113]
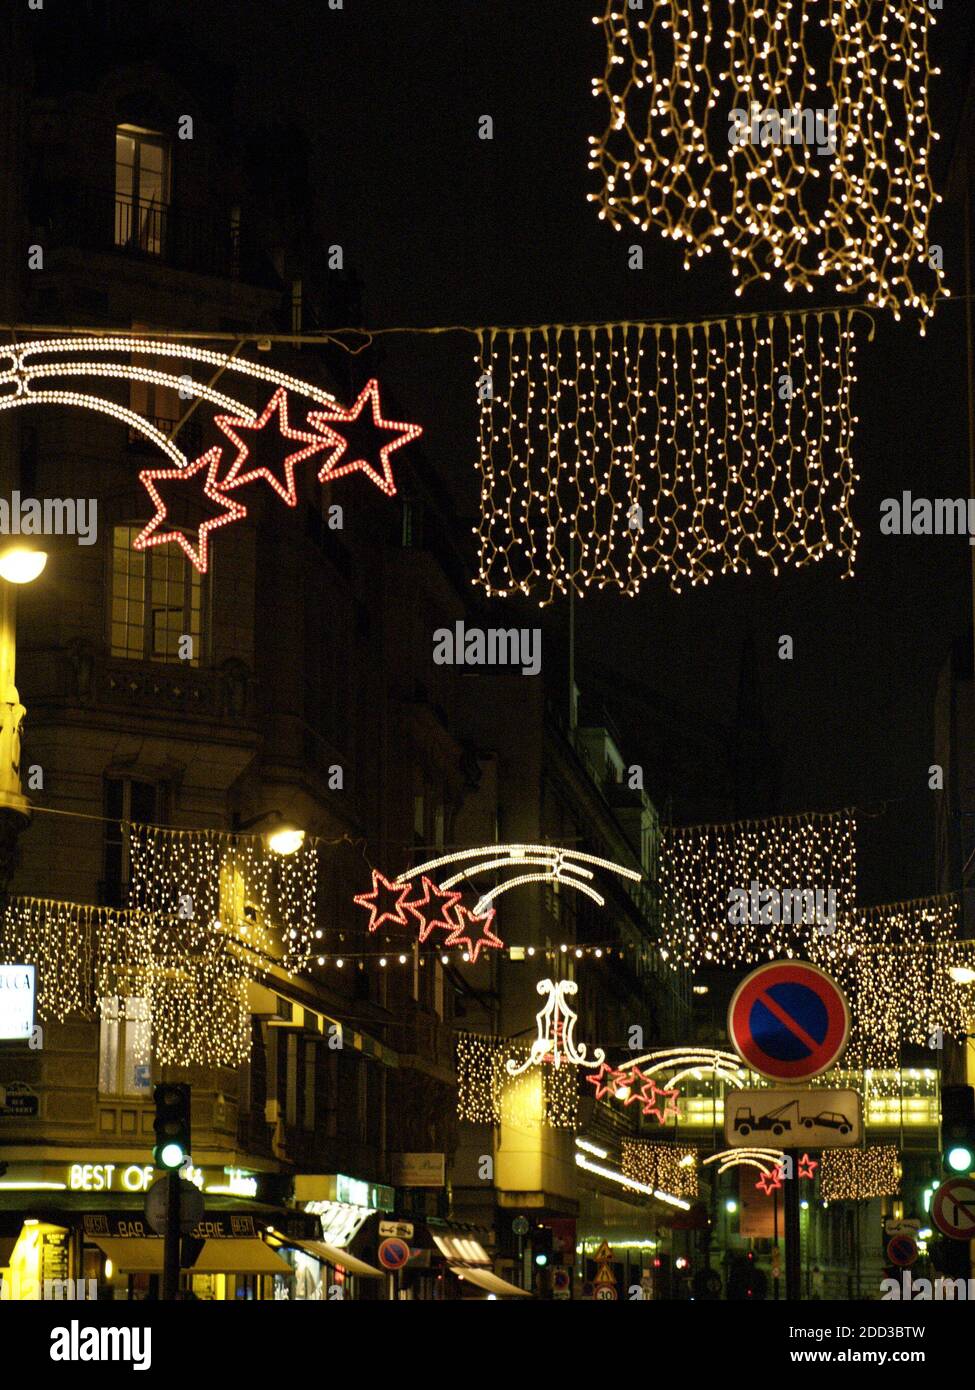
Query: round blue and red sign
[788, 1020]
[902, 1251]
[393, 1253]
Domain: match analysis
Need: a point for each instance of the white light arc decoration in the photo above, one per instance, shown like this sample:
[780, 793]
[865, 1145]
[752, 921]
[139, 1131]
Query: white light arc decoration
[690, 1061]
[765, 1160]
[551, 863]
[20, 368]
[556, 1022]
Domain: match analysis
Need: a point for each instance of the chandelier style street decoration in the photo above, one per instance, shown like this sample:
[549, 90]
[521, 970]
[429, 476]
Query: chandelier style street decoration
[555, 1042]
[795, 134]
[487, 1093]
[218, 879]
[611, 452]
[184, 984]
[849, 1175]
[667, 1167]
[751, 891]
[255, 447]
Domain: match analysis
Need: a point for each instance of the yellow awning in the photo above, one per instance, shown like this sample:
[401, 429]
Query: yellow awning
[332, 1255]
[238, 1257]
[488, 1281]
[132, 1255]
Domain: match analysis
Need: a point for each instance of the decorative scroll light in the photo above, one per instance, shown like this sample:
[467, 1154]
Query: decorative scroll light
[611, 452]
[549, 864]
[556, 1023]
[767, 1161]
[701, 867]
[488, 1094]
[849, 1175]
[266, 900]
[676, 1063]
[24, 365]
[797, 136]
[665, 1166]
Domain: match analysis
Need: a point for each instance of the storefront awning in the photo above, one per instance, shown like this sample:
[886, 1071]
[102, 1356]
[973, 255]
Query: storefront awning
[488, 1281]
[340, 1258]
[238, 1257]
[461, 1250]
[135, 1255]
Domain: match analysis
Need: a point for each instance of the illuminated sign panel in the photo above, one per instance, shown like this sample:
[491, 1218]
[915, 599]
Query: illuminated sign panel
[18, 989]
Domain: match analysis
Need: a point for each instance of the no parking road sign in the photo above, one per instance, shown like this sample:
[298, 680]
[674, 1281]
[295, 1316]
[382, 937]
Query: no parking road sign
[953, 1208]
[788, 1020]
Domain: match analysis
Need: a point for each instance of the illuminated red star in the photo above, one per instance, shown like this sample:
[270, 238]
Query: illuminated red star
[650, 1095]
[630, 1078]
[487, 938]
[333, 466]
[605, 1079]
[232, 511]
[276, 406]
[372, 900]
[768, 1182]
[809, 1164]
[448, 898]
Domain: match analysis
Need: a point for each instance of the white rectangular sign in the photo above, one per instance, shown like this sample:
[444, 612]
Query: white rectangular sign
[780, 1118]
[17, 991]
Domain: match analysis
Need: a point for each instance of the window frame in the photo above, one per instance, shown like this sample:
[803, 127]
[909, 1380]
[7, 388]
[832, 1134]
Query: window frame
[139, 236]
[149, 560]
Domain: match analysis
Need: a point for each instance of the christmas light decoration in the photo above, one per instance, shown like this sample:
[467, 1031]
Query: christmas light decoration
[151, 535]
[606, 1080]
[661, 1166]
[334, 467]
[797, 136]
[441, 919]
[554, 865]
[374, 900]
[618, 450]
[266, 900]
[556, 1022]
[473, 942]
[807, 1166]
[487, 1093]
[277, 409]
[701, 866]
[770, 1182]
[641, 1088]
[767, 1161]
[849, 1175]
[679, 1062]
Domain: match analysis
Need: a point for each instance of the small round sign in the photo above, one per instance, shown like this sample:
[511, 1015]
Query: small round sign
[393, 1253]
[520, 1226]
[902, 1251]
[953, 1208]
[788, 1020]
[605, 1293]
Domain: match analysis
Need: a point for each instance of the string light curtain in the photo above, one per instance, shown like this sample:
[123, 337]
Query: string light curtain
[267, 900]
[487, 1093]
[849, 1175]
[616, 451]
[701, 865]
[664, 1167]
[795, 134]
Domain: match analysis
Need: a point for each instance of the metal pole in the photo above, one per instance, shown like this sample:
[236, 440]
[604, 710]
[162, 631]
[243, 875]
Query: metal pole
[775, 1228]
[793, 1267]
[170, 1286]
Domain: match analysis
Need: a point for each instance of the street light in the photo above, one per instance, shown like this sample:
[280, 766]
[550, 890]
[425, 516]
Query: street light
[19, 564]
[962, 974]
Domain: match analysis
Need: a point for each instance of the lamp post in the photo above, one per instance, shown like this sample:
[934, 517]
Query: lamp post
[18, 565]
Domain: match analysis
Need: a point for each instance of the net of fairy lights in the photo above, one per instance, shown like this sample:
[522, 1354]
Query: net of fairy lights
[614, 452]
[751, 891]
[668, 1167]
[849, 1175]
[795, 135]
[182, 985]
[909, 976]
[488, 1094]
[266, 900]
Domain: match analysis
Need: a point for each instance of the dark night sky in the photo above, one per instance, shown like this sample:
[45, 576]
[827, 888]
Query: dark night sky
[443, 228]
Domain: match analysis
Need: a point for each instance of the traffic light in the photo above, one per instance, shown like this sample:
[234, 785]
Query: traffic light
[171, 1125]
[958, 1129]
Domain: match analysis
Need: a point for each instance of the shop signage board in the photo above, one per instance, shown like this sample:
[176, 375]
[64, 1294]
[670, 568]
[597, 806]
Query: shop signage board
[18, 1101]
[418, 1170]
[788, 1020]
[953, 1208]
[18, 989]
[816, 1119]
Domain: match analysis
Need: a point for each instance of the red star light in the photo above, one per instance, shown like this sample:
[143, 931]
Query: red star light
[487, 938]
[630, 1079]
[605, 1080]
[768, 1182]
[371, 901]
[448, 898]
[650, 1095]
[334, 467]
[809, 1165]
[276, 406]
[232, 511]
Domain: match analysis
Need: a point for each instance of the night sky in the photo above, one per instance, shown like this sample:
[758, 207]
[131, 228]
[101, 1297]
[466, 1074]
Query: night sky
[440, 227]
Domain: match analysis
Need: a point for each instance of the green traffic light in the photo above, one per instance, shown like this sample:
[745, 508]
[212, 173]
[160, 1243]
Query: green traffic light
[960, 1159]
[171, 1156]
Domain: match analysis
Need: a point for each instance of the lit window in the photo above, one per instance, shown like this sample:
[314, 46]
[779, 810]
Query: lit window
[141, 189]
[156, 600]
[123, 1046]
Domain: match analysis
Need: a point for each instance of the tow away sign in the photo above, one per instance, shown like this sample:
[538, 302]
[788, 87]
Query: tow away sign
[816, 1119]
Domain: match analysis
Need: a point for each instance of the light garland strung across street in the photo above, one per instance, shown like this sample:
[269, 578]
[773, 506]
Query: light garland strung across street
[556, 1025]
[488, 1094]
[188, 981]
[767, 1161]
[677, 1063]
[234, 881]
[615, 451]
[549, 864]
[39, 360]
[702, 866]
[669, 1167]
[797, 136]
[849, 1175]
